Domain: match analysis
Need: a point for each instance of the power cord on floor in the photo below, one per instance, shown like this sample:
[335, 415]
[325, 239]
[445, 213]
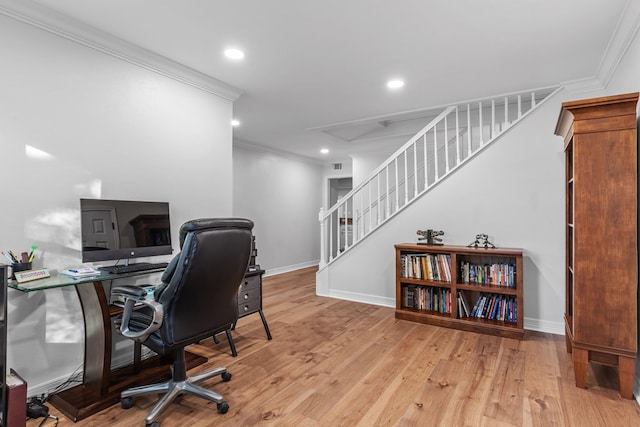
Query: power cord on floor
[37, 409]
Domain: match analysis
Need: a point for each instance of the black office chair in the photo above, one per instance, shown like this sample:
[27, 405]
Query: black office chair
[197, 299]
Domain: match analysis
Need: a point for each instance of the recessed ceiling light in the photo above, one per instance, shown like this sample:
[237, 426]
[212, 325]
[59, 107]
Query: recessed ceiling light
[324, 150]
[235, 123]
[395, 84]
[232, 53]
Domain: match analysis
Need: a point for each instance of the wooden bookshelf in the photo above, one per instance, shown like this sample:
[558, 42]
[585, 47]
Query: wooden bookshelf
[430, 280]
[601, 275]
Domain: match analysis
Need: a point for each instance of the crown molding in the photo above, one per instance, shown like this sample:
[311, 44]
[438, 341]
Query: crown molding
[63, 26]
[622, 37]
[281, 153]
[588, 84]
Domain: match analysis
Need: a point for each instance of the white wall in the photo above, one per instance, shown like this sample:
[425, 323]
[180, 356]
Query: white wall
[512, 191]
[365, 163]
[104, 128]
[282, 194]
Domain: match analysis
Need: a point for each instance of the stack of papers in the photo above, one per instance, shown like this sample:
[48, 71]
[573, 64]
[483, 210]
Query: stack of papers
[80, 272]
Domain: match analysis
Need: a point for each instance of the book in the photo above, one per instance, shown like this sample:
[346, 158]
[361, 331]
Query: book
[81, 271]
[16, 400]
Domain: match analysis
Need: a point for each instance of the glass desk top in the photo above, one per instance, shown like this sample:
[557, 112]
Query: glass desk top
[58, 280]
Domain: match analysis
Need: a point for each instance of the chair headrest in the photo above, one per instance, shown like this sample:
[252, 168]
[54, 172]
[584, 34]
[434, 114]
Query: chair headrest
[209, 223]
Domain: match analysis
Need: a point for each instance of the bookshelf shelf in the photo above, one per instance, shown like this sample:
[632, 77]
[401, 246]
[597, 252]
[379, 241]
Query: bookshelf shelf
[487, 288]
[482, 290]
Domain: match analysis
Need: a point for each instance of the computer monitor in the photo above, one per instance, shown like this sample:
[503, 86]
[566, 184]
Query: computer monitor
[123, 229]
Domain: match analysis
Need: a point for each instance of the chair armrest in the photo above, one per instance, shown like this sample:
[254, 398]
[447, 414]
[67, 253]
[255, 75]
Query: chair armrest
[131, 291]
[137, 326]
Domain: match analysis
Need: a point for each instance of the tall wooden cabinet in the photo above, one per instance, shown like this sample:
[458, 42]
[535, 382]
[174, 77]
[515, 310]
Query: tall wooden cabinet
[3, 344]
[601, 234]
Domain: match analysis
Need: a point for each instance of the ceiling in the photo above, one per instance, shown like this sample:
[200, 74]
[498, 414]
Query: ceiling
[315, 72]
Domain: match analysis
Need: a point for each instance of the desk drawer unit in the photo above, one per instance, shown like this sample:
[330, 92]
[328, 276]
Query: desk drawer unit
[250, 295]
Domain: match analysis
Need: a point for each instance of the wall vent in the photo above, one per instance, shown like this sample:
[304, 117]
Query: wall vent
[337, 166]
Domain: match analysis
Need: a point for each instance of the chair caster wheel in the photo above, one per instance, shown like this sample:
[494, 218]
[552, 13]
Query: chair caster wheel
[223, 407]
[153, 424]
[126, 402]
[226, 376]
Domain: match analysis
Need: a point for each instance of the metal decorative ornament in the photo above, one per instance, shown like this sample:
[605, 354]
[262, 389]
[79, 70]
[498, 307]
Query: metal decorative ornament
[432, 237]
[485, 242]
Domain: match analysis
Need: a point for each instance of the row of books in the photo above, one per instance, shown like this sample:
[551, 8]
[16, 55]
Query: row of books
[488, 274]
[426, 266]
[503, 308]
[427, 298]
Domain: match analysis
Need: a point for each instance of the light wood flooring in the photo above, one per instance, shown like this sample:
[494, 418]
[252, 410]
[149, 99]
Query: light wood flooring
[338, 363]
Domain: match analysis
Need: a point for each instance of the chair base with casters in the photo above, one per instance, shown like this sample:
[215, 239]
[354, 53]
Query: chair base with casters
[178, 385]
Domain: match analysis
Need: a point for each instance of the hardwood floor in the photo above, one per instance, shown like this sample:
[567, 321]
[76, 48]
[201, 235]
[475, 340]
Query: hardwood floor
[339, 363]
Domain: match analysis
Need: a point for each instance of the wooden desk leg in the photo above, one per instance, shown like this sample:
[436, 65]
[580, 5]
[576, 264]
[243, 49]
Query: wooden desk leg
[626, 376]
[580, 365]
[97, 333]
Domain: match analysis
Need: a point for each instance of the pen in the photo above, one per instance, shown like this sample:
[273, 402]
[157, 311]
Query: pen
[32, 253]
[15, 258]
[8, 257]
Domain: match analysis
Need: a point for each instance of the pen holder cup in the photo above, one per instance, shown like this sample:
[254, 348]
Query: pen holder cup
[19, 266]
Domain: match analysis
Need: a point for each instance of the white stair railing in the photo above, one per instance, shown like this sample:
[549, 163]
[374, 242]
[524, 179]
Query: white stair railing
[457, 134]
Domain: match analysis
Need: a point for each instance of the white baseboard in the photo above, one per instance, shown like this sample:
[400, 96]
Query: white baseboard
[556, 328]
[289, 268]
[363, 298]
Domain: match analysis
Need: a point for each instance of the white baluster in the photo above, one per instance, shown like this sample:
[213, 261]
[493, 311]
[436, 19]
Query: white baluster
[397, 184]
[426, 169]
[519, 106]
[446, 145]
[457, 137]
[480, 121]
[361, 216]
[369, 185]
[493, 119]
[387, 201]
[436, 169]
[506, 113]
[415, 170]
[378, 201]
[330, 218]
[323, 238]
[406, 180]
[468, 130]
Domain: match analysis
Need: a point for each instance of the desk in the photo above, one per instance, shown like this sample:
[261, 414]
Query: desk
[101, 387]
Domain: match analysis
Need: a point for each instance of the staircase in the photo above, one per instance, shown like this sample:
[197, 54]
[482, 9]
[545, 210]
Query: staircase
[457, 134]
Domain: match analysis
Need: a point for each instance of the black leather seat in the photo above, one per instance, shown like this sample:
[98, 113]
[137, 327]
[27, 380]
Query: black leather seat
[197, 299]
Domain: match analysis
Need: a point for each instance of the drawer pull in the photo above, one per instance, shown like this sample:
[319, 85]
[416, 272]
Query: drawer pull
[246, 296]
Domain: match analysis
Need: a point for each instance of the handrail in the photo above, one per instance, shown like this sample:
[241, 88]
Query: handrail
[455, 135]
[392, 157]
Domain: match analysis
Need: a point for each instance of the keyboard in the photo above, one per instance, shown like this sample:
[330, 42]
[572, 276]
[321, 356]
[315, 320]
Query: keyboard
[132, 268]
